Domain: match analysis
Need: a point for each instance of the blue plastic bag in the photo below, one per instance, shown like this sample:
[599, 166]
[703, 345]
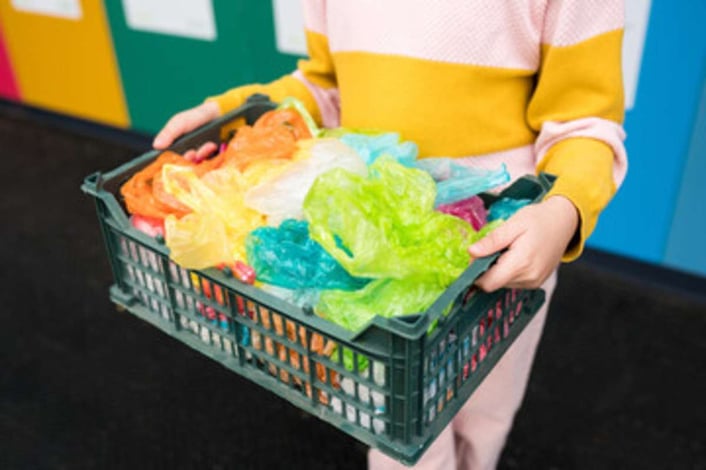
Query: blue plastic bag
[288, 257]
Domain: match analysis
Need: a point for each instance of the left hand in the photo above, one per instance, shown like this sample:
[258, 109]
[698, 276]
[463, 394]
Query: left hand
[536, 238]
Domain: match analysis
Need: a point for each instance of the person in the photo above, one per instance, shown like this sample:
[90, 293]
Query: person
[535, 84]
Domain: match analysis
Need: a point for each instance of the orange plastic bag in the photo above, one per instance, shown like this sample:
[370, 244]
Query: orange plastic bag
[144, 193]
[273, 136]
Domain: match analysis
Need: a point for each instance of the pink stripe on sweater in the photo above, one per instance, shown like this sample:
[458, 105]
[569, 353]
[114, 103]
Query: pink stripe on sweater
[569, 22]
[494, 33]
[477, 32]
[315, 15]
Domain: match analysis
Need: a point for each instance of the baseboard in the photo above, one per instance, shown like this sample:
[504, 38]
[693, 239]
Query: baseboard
[131, 139]
[662, 277]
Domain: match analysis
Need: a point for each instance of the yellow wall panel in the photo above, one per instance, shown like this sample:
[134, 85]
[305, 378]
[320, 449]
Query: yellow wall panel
[66, 64]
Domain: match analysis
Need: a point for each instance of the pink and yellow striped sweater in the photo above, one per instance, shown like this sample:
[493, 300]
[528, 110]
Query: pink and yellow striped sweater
[474, 77]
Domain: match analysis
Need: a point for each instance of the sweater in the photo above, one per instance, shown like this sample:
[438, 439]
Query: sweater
[465, 78]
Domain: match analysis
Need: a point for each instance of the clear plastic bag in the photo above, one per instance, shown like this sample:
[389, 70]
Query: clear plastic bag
[281, 197]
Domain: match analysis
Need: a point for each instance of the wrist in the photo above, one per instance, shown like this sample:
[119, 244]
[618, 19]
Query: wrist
[566, 216]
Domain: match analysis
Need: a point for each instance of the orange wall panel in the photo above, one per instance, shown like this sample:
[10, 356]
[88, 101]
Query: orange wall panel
[66, 64]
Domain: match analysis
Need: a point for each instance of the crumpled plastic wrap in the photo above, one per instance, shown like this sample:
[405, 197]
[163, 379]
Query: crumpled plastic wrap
[371, 147]
[385, 297]
[384, 227]
[457, 182]
[287, 257]
[144, 193]
[472, 210]
[272, 137]
[504, 208]
[281, 197]
[214, 232]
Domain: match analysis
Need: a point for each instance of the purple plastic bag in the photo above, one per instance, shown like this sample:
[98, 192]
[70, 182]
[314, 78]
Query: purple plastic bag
[472, 210]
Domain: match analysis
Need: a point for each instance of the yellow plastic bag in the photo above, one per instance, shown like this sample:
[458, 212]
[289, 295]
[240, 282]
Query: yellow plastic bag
[215, 231]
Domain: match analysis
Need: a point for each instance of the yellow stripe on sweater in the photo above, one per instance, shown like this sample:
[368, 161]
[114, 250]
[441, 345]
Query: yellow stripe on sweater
[447, 109]
[585, 169]
[278, 90]
[581, 80]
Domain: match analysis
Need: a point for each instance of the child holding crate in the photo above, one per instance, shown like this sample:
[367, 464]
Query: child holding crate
[534, 84]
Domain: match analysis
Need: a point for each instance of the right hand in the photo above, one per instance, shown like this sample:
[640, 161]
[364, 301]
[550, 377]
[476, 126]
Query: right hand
[184, 122]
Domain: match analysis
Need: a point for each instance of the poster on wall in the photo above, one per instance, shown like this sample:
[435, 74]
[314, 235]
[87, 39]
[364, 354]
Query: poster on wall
[192, 19]
[69, 9]
[637, 16]
[289, 27]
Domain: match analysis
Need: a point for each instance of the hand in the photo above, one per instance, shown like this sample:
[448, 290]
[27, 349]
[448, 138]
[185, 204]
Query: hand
[187, 121]
[536, 238]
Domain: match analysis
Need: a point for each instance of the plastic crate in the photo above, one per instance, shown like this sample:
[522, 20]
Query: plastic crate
[394, 385]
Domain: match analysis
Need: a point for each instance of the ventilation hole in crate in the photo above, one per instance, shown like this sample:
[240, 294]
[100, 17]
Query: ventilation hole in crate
[185, 278]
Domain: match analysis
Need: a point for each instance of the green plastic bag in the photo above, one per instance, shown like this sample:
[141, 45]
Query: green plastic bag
[384, 225]
[384, 297]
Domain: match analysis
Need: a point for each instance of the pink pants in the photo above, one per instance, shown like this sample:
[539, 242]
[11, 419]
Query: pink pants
[476, 436]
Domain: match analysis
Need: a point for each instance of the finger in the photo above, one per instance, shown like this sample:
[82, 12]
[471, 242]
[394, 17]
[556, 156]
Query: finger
[506, 271]
[499, 239]
[205, 150]
[175, 127]
[190, 155]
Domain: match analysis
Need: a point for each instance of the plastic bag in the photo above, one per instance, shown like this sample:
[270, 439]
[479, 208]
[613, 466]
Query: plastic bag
[384, 225]
[288, 257]
[371, 147]
[144, 192]
[457, 182]
[281, 197]
[384, 297]
[299, 297]
[215, 231]
[296, 105]
[504, 208]
[273, 136]
[472, 210]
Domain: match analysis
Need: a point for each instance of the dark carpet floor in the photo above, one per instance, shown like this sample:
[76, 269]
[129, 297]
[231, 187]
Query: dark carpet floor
[619, 382]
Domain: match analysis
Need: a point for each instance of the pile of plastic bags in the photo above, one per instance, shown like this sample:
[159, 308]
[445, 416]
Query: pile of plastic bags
[350, 223]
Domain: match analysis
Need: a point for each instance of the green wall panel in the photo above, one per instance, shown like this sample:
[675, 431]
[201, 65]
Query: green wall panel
[162, 73]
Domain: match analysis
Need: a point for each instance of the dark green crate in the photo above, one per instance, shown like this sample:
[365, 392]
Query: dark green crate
[420, 368]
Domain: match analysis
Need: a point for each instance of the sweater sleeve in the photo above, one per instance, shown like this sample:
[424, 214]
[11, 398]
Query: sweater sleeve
[577, 107]
[314, 82]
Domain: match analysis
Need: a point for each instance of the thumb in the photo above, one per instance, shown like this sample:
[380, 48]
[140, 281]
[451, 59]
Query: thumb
[499, 239]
